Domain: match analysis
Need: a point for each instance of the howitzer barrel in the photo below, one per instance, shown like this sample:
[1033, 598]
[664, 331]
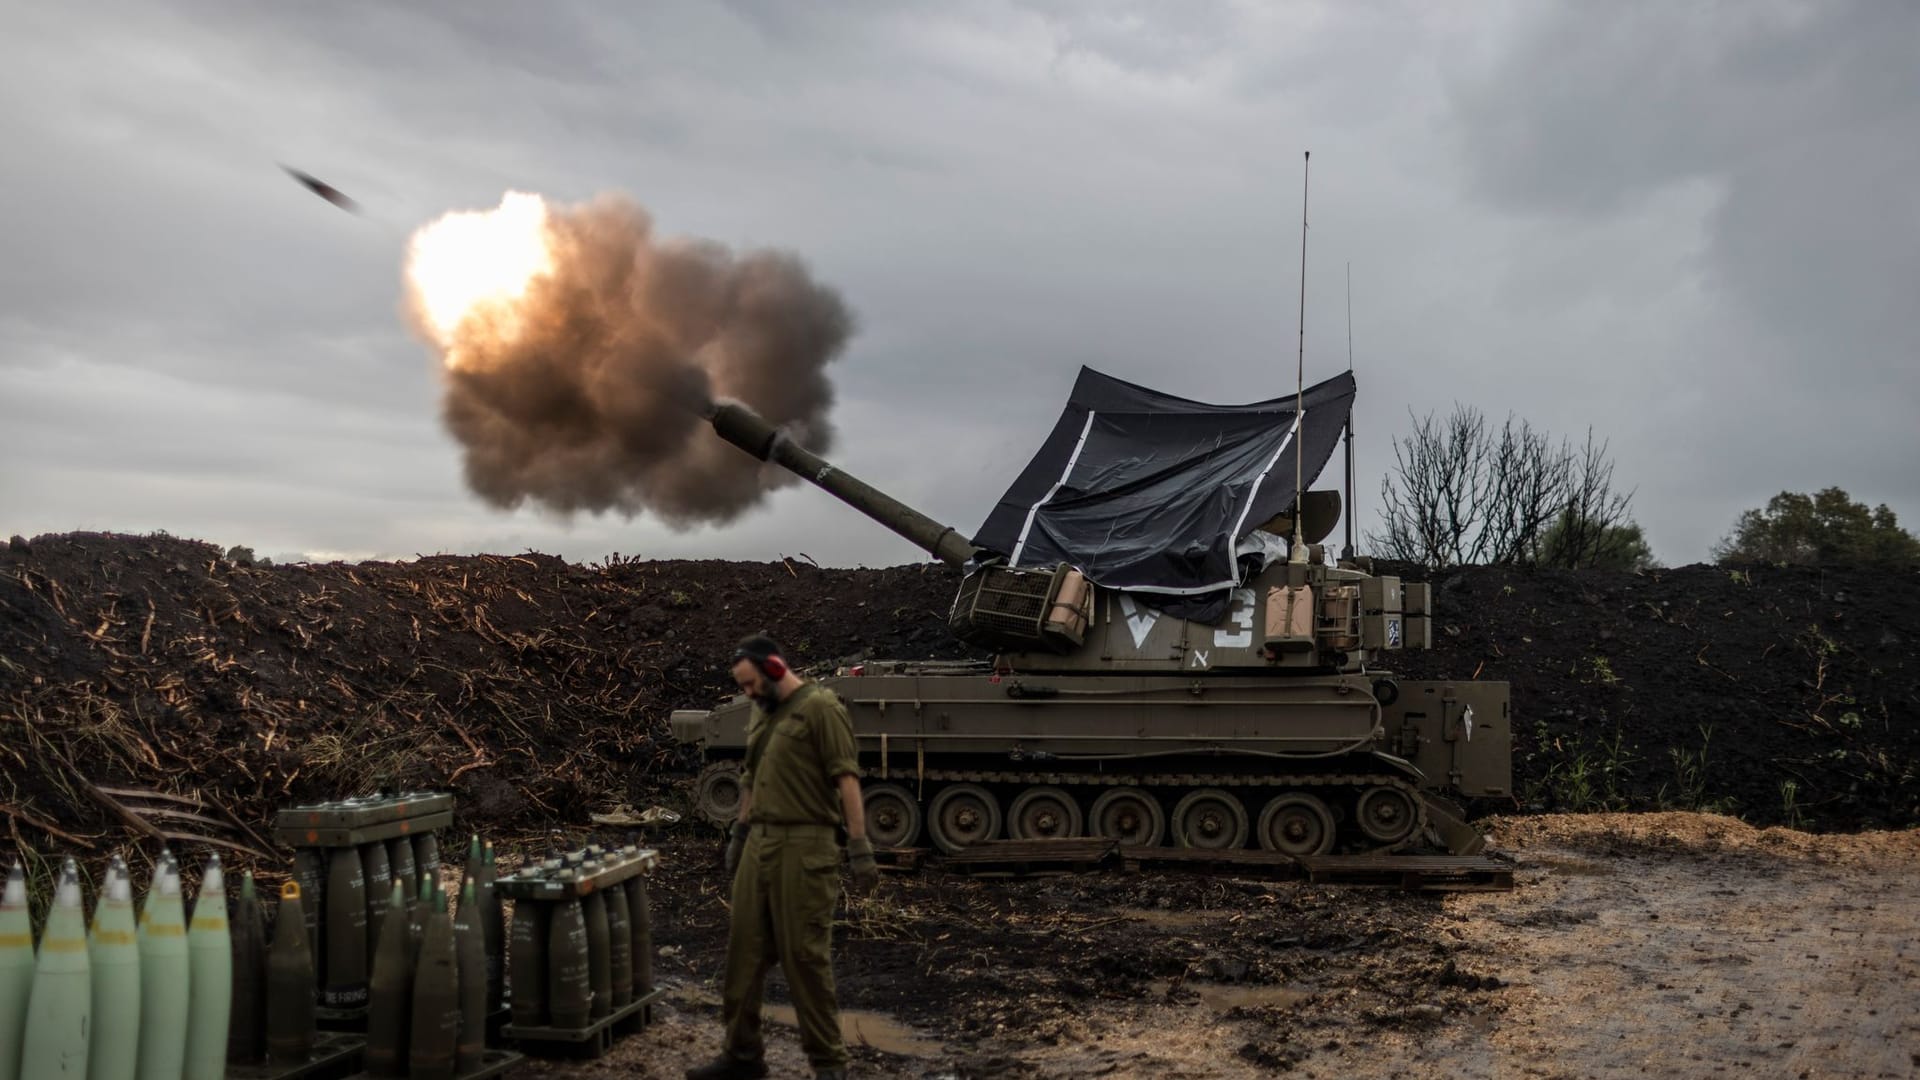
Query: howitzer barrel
[747, 430]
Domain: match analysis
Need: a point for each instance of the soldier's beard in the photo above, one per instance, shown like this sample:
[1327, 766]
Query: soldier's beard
[768, 701]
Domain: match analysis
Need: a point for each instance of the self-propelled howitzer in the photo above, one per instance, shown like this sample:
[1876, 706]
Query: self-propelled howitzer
[1109, 712]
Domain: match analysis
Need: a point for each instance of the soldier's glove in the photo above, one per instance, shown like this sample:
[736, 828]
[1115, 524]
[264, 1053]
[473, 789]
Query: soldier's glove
[736, 845]
[866, 875]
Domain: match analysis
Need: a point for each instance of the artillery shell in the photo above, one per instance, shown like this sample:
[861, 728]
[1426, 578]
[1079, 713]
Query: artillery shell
[436, 1000]
[530, 932]
[210, 985]
[470, 873]
[620, 946]
[310, 871]
[60, 1008]
[417, 913]
[164, 976]
[114, 956]
[16, 970]
[346, 912]
[290, 982]
[400, 864]
[246, 1021]
[640, 919]
[470, 948]
[390, 996]
[426, 856]
[599, 964]
[373, 863]
[493, 924]
[569, 979]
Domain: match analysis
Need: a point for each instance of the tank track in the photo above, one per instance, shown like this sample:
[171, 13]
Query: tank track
[1179, 780]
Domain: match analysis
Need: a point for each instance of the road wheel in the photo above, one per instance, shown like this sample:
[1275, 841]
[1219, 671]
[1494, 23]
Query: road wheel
[1043, 813]
[1386, 815]
[963, 815]
[1296, 823]
[1210, 819]
[893, 816]
[716, 793]
[1129, 815]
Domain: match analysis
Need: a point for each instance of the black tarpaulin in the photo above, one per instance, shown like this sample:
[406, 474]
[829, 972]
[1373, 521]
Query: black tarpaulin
[1151, 493]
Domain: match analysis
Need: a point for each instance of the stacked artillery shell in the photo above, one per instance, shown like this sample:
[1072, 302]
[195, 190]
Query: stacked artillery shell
[310, 873]
[246, 1021]
[164, 976]
[640, 926]
[426, 855]
[569, 975]
[16, 970]
[599, 964]
[210, 963]
[530, 932]
[493, 926]
[620, 945]
[400, 865]
[418, 908]
[436, 1000]
[290, 979]
[390, 997]
[346, 932]
[60, 1007]
[470, 948]
[114, 956]
[373, 863]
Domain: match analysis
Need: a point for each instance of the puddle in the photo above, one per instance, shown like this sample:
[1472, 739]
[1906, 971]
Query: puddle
[1221, 997]
[861, 1028]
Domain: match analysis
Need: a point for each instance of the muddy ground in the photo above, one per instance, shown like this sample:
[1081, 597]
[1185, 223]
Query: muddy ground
[1656, 945]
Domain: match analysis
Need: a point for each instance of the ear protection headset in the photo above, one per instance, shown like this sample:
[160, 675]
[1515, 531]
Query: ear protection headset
[763, 654]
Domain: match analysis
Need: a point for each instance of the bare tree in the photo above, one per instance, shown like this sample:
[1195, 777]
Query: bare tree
[1463, 493]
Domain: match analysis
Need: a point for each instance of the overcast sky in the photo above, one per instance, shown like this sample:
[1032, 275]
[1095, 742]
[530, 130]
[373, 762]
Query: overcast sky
[1694, 227]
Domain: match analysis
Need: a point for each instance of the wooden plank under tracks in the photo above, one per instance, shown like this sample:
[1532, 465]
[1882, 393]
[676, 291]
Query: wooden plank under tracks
[1415, 873]
[1013, 856]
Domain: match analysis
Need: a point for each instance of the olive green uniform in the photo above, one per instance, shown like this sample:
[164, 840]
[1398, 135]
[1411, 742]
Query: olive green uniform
[789, 875]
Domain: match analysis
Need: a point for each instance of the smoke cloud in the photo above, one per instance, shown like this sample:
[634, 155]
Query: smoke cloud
[586, 388]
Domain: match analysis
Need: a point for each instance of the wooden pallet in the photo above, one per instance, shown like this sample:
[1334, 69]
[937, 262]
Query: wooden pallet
[1415, 873]
[592, 1041]
[335, 1055]
[496, 1063]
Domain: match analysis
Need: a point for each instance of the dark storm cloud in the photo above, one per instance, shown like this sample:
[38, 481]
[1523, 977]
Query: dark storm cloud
[1689, 227]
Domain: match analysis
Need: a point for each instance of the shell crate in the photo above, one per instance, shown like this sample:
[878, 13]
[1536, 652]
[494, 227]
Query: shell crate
[1005, 607]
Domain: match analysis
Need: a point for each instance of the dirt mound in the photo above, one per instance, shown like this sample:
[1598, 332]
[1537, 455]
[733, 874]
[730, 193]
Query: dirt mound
[1785, 695]
[539, 690]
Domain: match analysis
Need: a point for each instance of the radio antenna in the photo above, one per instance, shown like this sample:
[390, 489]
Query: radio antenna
[1348, 553]
[1298, 550]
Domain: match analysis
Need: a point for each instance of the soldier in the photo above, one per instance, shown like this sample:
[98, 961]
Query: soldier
[800, 781]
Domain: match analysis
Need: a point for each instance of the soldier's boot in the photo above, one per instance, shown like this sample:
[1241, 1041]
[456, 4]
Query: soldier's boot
[728, 1067]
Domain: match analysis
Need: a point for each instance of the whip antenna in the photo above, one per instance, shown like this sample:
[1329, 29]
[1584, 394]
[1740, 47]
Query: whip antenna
[1298, 550]
[1348, 553]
